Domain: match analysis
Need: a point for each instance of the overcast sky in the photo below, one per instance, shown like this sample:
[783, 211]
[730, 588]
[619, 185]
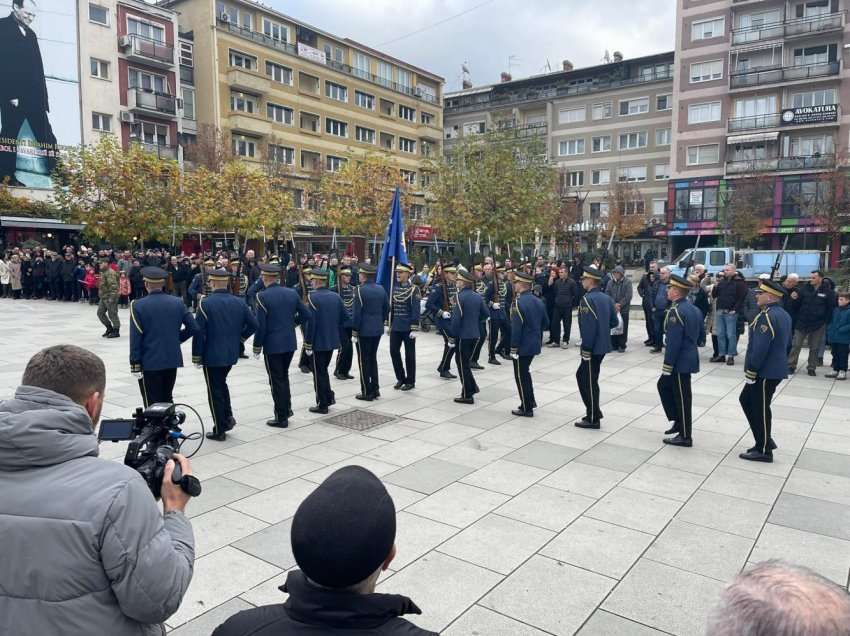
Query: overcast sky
[534, 31]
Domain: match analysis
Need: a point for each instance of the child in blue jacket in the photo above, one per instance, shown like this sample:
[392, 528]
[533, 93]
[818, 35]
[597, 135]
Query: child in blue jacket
[838, 335]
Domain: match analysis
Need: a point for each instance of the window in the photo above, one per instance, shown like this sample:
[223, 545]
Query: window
[571, 115]
[702, 113]
[427, 119]
[601, 176]
[364, 100]
[662, 171]
[426, 147]
[663, 102]
[150, 133]
[810, 146]
[662, 136]
[801, 196]
[631, 208]
[755, 106]
[243, 102]
[406, 145]
[409, 176]
[334, 164]
[659, 207]
[814, 55]
[602, 111]
[404, 79]
[298, 199]
[632, 140]
[473, 128]
[335, 127]
[386, 141]
[188, 95]
[364, 135]
[146, 81]
[98, 14]
[598, 210]
[385, 73]
[575, 179]
[706, 71]
[309, 83]
[187, 54]
[275, 30]
[426, 179]
[701, 155]
[362, 66]
[99, 68]
[387, 107]
[248, 62]
[571, 147]
[246, 21]
[146, 30]
[101, 122]
[632, 174]
[634, 106]
[281, 154]
[814, 98]
[707, 29]
[405, 112]
[333, 53]
[280, 114]
[336, 91]
[278, 73]
[600, 144]
[244, 146]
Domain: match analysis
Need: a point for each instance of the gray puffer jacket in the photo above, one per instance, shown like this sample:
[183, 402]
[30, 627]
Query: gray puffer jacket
[85, 549]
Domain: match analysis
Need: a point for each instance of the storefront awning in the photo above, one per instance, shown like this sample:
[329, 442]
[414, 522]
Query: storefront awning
[748, 139]
[32, 223]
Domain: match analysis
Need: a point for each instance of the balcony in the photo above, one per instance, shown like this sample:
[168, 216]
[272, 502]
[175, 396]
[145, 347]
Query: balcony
[151, 52]
[429, 132]
[774, 164]
[252, 125]
[161, 151]
[754, 122]
[245, 81]
[151, 102]
[796, 27]
[779, 74]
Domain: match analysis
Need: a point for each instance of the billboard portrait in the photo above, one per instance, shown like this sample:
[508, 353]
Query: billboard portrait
[39, 88]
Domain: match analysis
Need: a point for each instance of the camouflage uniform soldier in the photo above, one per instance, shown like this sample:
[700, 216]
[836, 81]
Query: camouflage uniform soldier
[108, 290]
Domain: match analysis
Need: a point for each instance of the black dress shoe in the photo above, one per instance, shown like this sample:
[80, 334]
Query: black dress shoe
[718, 359]
[673, 430]
[115, 334]
[811, 371]
[347, 376]
[586, 423]
[655, 350]
[243, 356]
[522, 413]
[493, 361]
[291, 413]
[475, 365]
[505, 355]
[365, 398]
[679, 441]
[319, 409]
[771, 445]
[463, 400]
[231, 422]
[448, 375]
[407, 387]
[278, 423]
[756, 456]
[647, 343]
[106, 333]
[398, 385]
[217, 437]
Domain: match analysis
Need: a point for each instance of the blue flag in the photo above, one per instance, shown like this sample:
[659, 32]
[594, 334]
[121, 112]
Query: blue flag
[394, 247]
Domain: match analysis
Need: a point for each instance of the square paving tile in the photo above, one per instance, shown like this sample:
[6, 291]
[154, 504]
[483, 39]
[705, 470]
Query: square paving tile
[634, 509]
[428, 475]
[722, 512]
[663, 481]
[812, 515]
[824, 462]
[475, 453]
[826, 555]
[219, 527]
[546, 507]
[458, 504]
[743, 484]
[272, 544]
[543, 455]
[404, 452]
[206, 623]
[477, 621]
[505, 477]
[584, 479]
[416, 536]
[272, 472]
[808, 483]
[606, 624]
[620, 458]
[276, 503]
[218, 491]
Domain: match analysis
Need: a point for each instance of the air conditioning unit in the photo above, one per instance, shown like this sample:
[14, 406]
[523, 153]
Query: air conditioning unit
[224, 17]
[124, 42]
[127, 117]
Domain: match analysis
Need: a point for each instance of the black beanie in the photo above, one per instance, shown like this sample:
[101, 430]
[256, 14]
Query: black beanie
[344, 530]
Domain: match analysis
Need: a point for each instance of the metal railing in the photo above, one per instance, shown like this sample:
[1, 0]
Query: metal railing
[775, 74]
[695, 214]
[152, 49]
[151, 100]
[161, 151]
[754, 122]
[812, 162]
[768, 164]
[788, 28]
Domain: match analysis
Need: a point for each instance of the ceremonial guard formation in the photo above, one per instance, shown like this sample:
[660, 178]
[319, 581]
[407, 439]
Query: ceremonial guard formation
[345, 356]
[159, 324]
[371, 308]
[404, 321]
[441, 300]
[498, 297]
[321, 337]
[528, 321]
[465, 317]
[481, 290]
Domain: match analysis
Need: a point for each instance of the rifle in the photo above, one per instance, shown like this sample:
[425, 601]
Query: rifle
[297, 260]
[608, 248]
[497, 298]
[778, 262]
[446, 303]
[693, 256]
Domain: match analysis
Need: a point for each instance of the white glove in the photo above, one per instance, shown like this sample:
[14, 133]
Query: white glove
[447, 315]
[451, 344]
[423, 306]
[355, 337]
[749, 381]
[199, 365]
[256, 356]
[412, 336]
[514, 356]
[136, 374]
[666, 373]
[495, 306]
[389, 330]
[308, 352]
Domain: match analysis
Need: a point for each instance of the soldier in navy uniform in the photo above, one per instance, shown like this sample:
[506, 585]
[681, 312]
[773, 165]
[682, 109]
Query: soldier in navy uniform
[499, 296]
[305, 365]
[279, 310]
[200, 285]
[371, 308]
[596, 318]
[528, 322]
[327, 317]
[466, 314]
[404, 320]
[683, 326]
[766, 365]
[159, 323]
[481, 290]
[224, 323]
[345, 355]
[440, 302]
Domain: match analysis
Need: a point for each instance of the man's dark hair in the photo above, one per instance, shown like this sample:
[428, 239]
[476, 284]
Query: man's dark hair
[818, 272]
[68, 370]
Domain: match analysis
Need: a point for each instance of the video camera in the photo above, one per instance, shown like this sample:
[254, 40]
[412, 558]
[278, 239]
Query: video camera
[154, 434]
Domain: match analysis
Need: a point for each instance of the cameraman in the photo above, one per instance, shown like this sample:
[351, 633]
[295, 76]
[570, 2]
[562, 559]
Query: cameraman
[85, 548]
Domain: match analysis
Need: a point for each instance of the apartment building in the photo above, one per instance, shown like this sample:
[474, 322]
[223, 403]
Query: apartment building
[286, 92]
[758, 90]
[129, 74]
[602, 125]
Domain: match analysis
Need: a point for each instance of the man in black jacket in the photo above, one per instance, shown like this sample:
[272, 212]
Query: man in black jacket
[69, 283]
[343, 537]
[646, 290]
[564, 293]
[815, 303]
[730, 291]
[54, 276]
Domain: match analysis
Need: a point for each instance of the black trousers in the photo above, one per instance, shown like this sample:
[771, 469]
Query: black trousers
[676, 398]
[367, 358]
[69, 290]
[587, 378]
[397, 338]
[620, 342]
[504, 345]
[522, 375]
[755, 399]
[321, 380]
[658, 324]
[650, 323]
[277, 367]
[468, 387]
[55, 288]
[219, 397]
[346, 352]
[479, 344]
[304, 360]
[561, 316]
[157, 386]
[498, 337]
[446, 359]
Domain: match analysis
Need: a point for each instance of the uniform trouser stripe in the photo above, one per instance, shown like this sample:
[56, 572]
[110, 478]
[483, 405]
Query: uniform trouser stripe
[210, 401]
[363, 389]
[144, 390]
[764, 416]
[525, 405]
[590, 388]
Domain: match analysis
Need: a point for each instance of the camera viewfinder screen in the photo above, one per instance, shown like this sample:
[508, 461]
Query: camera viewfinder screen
[115, 430]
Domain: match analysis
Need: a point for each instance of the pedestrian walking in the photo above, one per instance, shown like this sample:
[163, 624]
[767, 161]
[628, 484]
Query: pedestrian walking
[107, 308]
[371, 308]
[321, 337]
[619, 288]
[528, 322]
[345, 355]
[404, 322]
[466, 314]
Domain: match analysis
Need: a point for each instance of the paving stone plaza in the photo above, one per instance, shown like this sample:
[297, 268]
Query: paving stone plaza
[506, 526]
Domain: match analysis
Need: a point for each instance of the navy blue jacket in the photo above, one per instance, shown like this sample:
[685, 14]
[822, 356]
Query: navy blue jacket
[224, 320]
[327, 317]
[596, 318]
[683, 325]
[467, 314]
[434, 305]
[838, 331]
[528, 322]
[767, 350]
[346, 292]
[256, 287]
[159, 323]
[660, 302]
[371, 308]
[506, 295]
[406, 307]
[279, 310]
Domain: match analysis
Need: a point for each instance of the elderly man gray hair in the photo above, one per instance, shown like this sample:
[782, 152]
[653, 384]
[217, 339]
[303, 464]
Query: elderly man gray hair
[780, 599]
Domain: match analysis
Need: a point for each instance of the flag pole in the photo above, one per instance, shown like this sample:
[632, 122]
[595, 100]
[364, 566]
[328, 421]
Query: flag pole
[392, 283]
